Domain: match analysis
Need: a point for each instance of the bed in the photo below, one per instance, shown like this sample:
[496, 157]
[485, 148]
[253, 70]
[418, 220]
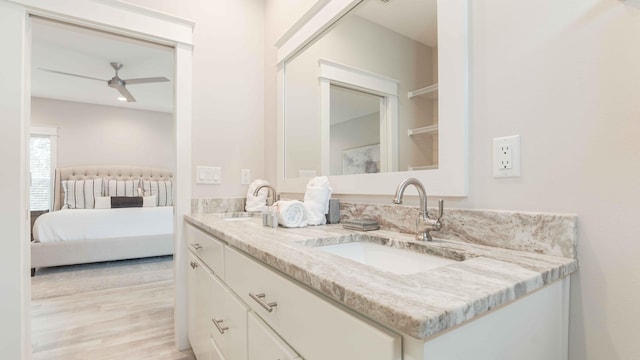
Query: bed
[74, 233]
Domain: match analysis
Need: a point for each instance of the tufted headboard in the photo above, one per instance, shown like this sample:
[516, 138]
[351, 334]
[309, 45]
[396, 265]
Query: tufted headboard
[111, 171]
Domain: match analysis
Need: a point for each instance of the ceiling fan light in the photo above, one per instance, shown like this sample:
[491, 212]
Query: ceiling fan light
[122, 98]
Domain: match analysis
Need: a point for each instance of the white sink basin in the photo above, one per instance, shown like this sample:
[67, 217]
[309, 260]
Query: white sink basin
[394, 260]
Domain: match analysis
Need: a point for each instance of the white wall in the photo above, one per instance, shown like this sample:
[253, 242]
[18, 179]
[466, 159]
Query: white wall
[228, 88]
[95, 134]
[566, 77]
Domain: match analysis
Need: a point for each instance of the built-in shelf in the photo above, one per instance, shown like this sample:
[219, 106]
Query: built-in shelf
[431, 129]
[424, 167]
[430, 91]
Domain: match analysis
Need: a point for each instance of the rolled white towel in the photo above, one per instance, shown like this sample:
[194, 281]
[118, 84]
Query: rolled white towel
[316, 200]
[257, 203]
[291, 213]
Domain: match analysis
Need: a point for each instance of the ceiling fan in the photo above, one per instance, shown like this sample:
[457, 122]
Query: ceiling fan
[116, 82]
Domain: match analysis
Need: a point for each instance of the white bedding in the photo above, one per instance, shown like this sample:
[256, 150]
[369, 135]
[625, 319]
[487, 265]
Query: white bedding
[83, 224]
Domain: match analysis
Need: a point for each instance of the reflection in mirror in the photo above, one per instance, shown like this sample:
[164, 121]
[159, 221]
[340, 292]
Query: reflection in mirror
[355, 131]
[397, 41]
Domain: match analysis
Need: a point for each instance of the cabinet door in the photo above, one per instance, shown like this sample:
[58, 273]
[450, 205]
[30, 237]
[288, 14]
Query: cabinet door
[198, 310]
[264, 344]
[228, 322]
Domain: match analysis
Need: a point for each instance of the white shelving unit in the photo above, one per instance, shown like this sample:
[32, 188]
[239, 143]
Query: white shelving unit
[431, 129]
[430, 91]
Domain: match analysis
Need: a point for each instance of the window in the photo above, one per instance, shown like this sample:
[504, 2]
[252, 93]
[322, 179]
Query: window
[42, 155]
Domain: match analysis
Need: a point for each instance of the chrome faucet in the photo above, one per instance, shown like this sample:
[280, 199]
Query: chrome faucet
[424, 225]
[274, 196]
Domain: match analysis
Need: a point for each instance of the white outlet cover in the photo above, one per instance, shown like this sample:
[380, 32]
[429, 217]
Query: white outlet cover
[506, 156]
[245, 176]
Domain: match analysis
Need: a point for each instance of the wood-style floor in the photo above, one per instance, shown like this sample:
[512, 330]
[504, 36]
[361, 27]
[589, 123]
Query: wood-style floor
[127, 323]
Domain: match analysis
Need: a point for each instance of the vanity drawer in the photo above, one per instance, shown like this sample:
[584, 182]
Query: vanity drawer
[230, 314]
[209, 249]
[315, 327]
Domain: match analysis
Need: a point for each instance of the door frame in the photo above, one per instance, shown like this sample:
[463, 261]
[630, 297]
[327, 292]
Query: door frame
[112, 16]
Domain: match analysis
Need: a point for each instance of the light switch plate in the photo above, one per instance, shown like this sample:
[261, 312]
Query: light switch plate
[506, 156]
[208, 175]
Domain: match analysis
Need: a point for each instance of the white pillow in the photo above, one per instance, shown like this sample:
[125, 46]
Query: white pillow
[103, 202]
[163, 189]
[150, 201]
[81, 194]
[113, 187]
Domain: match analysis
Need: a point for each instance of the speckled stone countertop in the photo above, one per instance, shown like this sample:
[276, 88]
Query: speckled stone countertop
[420, 305]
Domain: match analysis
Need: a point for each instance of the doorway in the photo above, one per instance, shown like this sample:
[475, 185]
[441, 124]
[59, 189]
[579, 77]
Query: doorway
[120, 18]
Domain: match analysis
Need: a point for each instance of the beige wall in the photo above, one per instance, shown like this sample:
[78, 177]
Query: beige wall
[228, 88]
[96, 134]
[566, 77]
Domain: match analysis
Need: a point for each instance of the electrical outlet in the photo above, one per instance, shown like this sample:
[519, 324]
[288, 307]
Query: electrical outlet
[245, 176]
[506, 156]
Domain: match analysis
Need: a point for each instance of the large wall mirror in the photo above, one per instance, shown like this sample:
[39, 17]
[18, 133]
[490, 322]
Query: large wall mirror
[373, 91]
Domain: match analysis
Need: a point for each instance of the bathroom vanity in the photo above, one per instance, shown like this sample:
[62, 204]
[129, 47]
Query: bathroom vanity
[328, 293]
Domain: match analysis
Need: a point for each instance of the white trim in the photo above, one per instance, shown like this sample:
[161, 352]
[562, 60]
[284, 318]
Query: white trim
[321, 15]
[120, 18]
[358, 79]
[106, 15]
[451, 176]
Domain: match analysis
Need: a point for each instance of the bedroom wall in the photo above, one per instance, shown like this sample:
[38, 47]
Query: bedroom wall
[91, 134]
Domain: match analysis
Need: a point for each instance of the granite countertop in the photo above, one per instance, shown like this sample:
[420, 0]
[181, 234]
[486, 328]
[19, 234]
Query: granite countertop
[420, 305]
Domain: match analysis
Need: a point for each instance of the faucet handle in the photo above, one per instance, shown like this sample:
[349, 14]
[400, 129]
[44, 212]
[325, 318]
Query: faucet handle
[440, 209]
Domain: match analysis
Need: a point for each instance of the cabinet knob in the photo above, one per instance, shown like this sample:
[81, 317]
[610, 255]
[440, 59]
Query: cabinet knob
[267, 306]
[193, 264]
[217, 323]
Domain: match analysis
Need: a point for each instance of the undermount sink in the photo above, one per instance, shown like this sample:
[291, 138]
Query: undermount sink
[384, 257]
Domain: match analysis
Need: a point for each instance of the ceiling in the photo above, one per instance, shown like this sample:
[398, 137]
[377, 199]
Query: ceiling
[86, 52]
[415, 19]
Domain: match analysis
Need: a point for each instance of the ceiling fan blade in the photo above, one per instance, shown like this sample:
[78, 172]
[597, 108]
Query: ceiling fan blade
[123, 90]
[70, 74]
[145, 80]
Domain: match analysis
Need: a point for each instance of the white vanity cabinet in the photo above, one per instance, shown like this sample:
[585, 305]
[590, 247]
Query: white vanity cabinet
[315, 327]
[199, 299]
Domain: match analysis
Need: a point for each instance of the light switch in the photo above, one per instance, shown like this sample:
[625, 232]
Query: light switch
[208, 174]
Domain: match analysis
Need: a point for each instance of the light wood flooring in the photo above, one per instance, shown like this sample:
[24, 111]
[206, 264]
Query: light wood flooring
[123, 323]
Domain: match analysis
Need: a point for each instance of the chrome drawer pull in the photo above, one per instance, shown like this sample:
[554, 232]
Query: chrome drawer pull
[193, 264]
[258, 298]
[196, 246]
[217, 324]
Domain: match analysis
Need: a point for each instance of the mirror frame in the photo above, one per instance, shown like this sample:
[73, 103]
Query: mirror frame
[451, 177]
